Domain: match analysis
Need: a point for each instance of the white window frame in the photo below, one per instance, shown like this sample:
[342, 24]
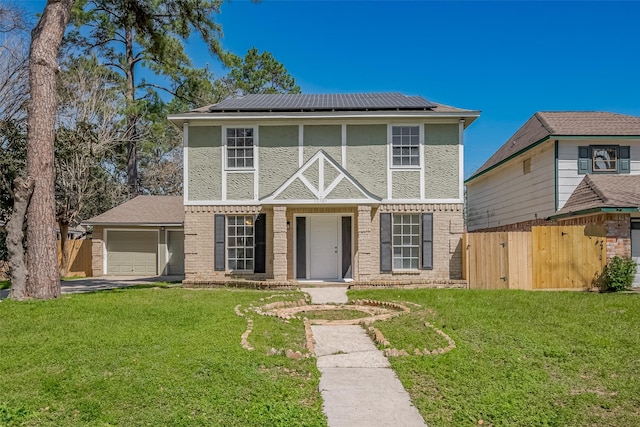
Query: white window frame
[616, 161]
[420, 145]
[254, 152]
[245, 247]
[402, 245]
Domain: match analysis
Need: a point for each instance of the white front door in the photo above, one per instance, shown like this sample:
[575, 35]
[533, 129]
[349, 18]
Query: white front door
[323, 247]
[635, 251]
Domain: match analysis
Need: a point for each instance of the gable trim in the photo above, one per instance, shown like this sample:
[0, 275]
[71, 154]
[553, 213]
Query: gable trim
[321, 192]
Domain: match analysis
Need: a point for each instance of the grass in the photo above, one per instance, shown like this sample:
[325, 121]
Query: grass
[522, 358]
[165, 356]
[5, 284]
[335, 314]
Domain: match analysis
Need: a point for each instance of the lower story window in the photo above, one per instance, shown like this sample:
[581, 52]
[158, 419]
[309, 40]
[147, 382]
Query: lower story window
[406, 241]
[240, 242]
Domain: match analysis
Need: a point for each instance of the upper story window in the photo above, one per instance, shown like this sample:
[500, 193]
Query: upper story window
[239, 148]
[405, 145]
[604, 159]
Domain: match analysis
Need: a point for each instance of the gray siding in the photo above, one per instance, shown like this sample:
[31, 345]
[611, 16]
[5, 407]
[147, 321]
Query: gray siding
[204, 176]
[442, 168]
[325, 137]
[367, 157]
[278, 154]
[506, 195]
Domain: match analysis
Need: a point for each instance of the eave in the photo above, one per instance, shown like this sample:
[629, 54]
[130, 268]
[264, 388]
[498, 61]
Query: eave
[593, 211]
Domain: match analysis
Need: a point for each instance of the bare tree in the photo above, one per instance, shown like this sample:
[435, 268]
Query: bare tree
[88, 129]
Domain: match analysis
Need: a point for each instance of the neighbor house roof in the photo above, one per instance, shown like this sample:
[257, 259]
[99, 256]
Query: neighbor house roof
[144, 210]
[603, 193]
[314, 105]
[543, 125]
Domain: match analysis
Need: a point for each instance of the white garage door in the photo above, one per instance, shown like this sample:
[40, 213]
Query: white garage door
[132, 253]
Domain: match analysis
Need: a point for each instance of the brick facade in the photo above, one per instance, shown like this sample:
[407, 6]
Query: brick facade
[447, 241]
[97, 251]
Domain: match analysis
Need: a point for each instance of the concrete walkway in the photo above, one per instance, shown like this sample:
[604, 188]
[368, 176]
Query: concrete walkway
[357, 385]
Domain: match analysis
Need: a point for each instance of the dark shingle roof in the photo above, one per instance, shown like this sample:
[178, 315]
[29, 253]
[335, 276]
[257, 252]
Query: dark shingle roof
[569, 123]
[603, 191]
[144, 210]
[322, 102]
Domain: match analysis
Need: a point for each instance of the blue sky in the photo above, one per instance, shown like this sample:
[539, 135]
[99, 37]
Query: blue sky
[508, 59]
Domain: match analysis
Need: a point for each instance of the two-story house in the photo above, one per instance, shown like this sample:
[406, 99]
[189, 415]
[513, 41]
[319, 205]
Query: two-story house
[566, 167]
[285, 187]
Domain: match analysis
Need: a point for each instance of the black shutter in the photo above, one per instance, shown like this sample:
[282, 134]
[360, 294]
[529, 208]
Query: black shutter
[625, 159]
[386, 250]
[260, 232]
[346, 245]
[427, 241]
[301, 248]
[584, 160]
[218, 255]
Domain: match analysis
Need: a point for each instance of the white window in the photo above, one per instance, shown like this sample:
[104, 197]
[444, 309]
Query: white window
[240, 148]
[405, 145]
[240, 243]
[604, 159]
[406, 241]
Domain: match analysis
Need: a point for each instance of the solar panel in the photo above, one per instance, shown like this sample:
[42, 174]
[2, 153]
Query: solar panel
[319, 102]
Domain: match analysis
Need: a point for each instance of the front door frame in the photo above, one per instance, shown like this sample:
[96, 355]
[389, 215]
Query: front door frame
[338, 217]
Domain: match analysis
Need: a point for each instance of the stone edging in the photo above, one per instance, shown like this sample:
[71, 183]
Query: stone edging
[377, 310]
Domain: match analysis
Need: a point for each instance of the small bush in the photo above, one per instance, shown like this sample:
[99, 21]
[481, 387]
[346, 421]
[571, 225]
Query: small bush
[619, 273]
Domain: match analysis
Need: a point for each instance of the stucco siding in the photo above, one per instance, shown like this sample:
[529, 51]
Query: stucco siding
[204, 174]
[345, 190]
[323, 137]
[296, 191]
[278, 151]
[405, 184]
[568, 177]
[240, 186]
[507, 195]
[367, 156]
[442, 166]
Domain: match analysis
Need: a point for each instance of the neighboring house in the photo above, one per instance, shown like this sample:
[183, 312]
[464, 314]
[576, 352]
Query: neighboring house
[143, 236]
[289, 187]
[568, 168]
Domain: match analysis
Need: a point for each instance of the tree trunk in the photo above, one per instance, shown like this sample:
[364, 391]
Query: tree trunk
[131, 133]
[23, 189]
[43, 281]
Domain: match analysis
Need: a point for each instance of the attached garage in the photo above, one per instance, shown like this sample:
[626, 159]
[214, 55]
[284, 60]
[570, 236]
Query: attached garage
[142, 237]
[132, 252]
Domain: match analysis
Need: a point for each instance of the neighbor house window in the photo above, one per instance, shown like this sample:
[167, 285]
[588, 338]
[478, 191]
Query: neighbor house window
[406, 241]
[604, 159]
[240, 242]
[405, 145]
[239, 148]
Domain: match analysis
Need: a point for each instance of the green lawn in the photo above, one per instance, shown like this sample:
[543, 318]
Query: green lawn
[151, 357]
[5, 284]
[522, 358]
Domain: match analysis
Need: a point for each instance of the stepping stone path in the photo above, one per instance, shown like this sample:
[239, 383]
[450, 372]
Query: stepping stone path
[357, 384]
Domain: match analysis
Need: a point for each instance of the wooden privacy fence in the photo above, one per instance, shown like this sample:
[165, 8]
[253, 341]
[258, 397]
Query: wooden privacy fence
[547, 257]
[78, 258]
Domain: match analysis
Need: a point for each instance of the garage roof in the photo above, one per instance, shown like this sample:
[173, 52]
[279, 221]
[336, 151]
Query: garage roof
[144, 211]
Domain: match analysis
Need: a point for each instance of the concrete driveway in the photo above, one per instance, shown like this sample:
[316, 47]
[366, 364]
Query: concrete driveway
[92, 284]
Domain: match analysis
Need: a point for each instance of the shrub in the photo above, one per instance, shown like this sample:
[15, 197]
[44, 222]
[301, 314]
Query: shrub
[619, 273]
